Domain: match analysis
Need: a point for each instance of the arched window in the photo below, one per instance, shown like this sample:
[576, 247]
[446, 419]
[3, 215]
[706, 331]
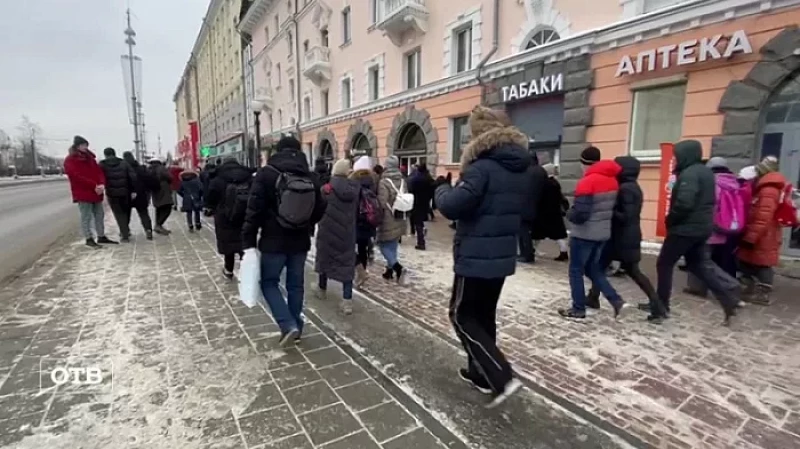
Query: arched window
[542, 36]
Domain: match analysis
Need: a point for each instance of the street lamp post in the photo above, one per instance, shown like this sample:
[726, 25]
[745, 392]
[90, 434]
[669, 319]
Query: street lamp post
[257, 107]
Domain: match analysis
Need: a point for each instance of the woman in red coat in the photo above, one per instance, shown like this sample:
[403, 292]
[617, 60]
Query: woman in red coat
[759, 248]
[87, 182]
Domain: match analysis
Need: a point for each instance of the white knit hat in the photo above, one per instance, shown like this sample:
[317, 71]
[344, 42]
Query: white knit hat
[363, 163]
[748, 173]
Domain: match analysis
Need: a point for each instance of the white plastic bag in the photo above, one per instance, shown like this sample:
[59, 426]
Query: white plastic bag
[250, 278]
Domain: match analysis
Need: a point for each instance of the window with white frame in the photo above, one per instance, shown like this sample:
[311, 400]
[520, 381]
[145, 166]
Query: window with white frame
[323, 37]
[413, 63]
[324, 102]
[306, 109]
[347, 100]
[305, 46]
[657, 117]
[278, 71]
[266, 34]
[277, 24]
[373, 82]
[459, 137]
[653, 5]
[291, 89]
[290, 42]
[544, 36]
[280, 118]
[373, 11]
[462, 48]
[269, 119]
[346, 28]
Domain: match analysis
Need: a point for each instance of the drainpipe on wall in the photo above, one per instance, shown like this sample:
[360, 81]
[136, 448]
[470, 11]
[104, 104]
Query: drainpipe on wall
[244, 43]
[495, 43]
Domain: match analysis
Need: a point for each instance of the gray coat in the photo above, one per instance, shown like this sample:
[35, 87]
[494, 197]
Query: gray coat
[163, 197]
[336, 236]
[392, 228]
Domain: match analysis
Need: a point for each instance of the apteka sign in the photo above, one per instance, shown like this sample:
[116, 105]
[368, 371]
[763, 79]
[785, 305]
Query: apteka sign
[686, 53]
[534, 88]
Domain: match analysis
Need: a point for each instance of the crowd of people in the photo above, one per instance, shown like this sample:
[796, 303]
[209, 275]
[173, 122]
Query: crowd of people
[727, 228]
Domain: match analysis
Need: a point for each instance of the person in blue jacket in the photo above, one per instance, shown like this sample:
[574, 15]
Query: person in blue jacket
[488, 203]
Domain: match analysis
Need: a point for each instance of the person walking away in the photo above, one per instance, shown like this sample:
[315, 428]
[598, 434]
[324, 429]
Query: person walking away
[488, 204]
[175, 171]
[625, 245]
[377, 171]
[553, 207]
[420, 184]
[369, 217]
[336, 237]
[322, 171]
[161, 198]
[689, 223]
[759, 248]
[537, 177]
[590, 215]
[142, 187]
[285, 202]
[730, 216]
[191, 193]
[87, 183]
[208, 173]
[393, 225]
[120, 184]
[227, 198]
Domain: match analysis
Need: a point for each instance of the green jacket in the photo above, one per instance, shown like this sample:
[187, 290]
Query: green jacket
[691, 210]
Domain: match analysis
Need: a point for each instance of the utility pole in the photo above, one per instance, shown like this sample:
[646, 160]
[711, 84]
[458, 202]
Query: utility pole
[134, 102]
[159, 144]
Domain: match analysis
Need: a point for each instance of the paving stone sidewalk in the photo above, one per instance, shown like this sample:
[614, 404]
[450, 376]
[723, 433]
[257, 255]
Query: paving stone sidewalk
[687, 384]
[183, 363]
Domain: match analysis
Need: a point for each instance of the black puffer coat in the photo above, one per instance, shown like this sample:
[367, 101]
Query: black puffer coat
[626, 231]
[549, 222]
[420, 184]
[120, 177]
[336, 234]
[229, 235]
[536, 178]
[321, 170]
[144, 184]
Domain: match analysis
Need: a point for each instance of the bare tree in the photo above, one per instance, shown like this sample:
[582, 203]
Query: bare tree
[28, 131]
[5, 148]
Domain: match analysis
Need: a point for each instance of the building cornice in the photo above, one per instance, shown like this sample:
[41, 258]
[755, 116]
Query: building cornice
[254, 15]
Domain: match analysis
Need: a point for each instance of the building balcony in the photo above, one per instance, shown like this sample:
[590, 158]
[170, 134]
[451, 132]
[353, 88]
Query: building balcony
[264, 95]
[317, 65]
[396, 18]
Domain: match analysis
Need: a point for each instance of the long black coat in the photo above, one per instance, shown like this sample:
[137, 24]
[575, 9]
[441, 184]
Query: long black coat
[191, 191]
[120, 177]
[549, 223]
[144, 184]
[336, 234]
[626, 232]
[421, 185]
[536, 179]
[229, 235]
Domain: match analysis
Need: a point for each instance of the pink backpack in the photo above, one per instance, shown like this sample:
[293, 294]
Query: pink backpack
[730, 212]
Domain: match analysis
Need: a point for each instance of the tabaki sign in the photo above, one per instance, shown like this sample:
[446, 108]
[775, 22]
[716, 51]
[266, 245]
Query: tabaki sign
[686, 53]
[534, 88]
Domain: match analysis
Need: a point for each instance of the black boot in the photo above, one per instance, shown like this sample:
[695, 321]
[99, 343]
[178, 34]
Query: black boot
[562, 257]
[92, 244]
[399, 271]
[191, 228]
[388, 274]
[106, 240]
[149, 234]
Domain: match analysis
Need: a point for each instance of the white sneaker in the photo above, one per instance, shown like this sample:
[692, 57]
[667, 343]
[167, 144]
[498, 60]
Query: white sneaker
[347, 306]
[511, 387]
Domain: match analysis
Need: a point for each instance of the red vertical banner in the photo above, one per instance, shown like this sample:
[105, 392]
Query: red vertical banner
[666, 180]
[194, 138]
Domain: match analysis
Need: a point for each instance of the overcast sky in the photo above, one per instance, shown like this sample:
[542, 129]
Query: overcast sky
[61, 67]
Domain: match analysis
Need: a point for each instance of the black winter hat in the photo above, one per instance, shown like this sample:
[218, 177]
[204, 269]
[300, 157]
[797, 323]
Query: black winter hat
[78, 140]
[288, 142]
[109, 152]
[590, 156]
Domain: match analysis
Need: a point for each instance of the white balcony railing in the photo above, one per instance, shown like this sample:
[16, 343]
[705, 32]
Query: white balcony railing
[317, 64]
[397, 17]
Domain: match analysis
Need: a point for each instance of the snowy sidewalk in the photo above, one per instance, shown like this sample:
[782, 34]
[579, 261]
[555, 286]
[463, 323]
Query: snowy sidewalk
[180, 362]
[689, 383]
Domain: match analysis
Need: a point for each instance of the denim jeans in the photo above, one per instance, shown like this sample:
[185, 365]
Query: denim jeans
[92, 213]
[347, 286]
[196, 215]
[286, 312]
[389, 251]
[585, 260]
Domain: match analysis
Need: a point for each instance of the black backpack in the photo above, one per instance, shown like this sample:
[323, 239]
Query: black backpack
[236, 197]
[295, 195]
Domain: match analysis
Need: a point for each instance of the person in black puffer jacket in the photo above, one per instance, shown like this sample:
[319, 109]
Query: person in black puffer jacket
[537, 177]
[625, 245]
[141, 192]
[488, 203]
[322, 171]
[120, 183]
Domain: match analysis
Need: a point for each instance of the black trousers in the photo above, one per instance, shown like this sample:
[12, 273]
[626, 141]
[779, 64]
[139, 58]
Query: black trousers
[698, 263]
[633, 271]
[230, 260]
[418, 228]
[121, 208]
[526, 250]
[162, 214]
[193, 215]
[473, 309]
[144, 216]
[362, 252]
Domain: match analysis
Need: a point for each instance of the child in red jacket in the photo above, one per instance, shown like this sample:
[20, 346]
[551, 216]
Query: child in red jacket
[87, 182]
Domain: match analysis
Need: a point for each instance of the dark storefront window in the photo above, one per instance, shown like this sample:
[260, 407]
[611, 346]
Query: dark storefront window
[460, 138]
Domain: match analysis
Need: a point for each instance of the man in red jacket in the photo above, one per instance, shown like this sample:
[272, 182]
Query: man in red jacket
[88, 183]
[175, 171]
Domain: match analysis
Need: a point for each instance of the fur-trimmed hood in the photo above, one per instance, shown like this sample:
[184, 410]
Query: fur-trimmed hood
[494, 136]
[366, 178]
